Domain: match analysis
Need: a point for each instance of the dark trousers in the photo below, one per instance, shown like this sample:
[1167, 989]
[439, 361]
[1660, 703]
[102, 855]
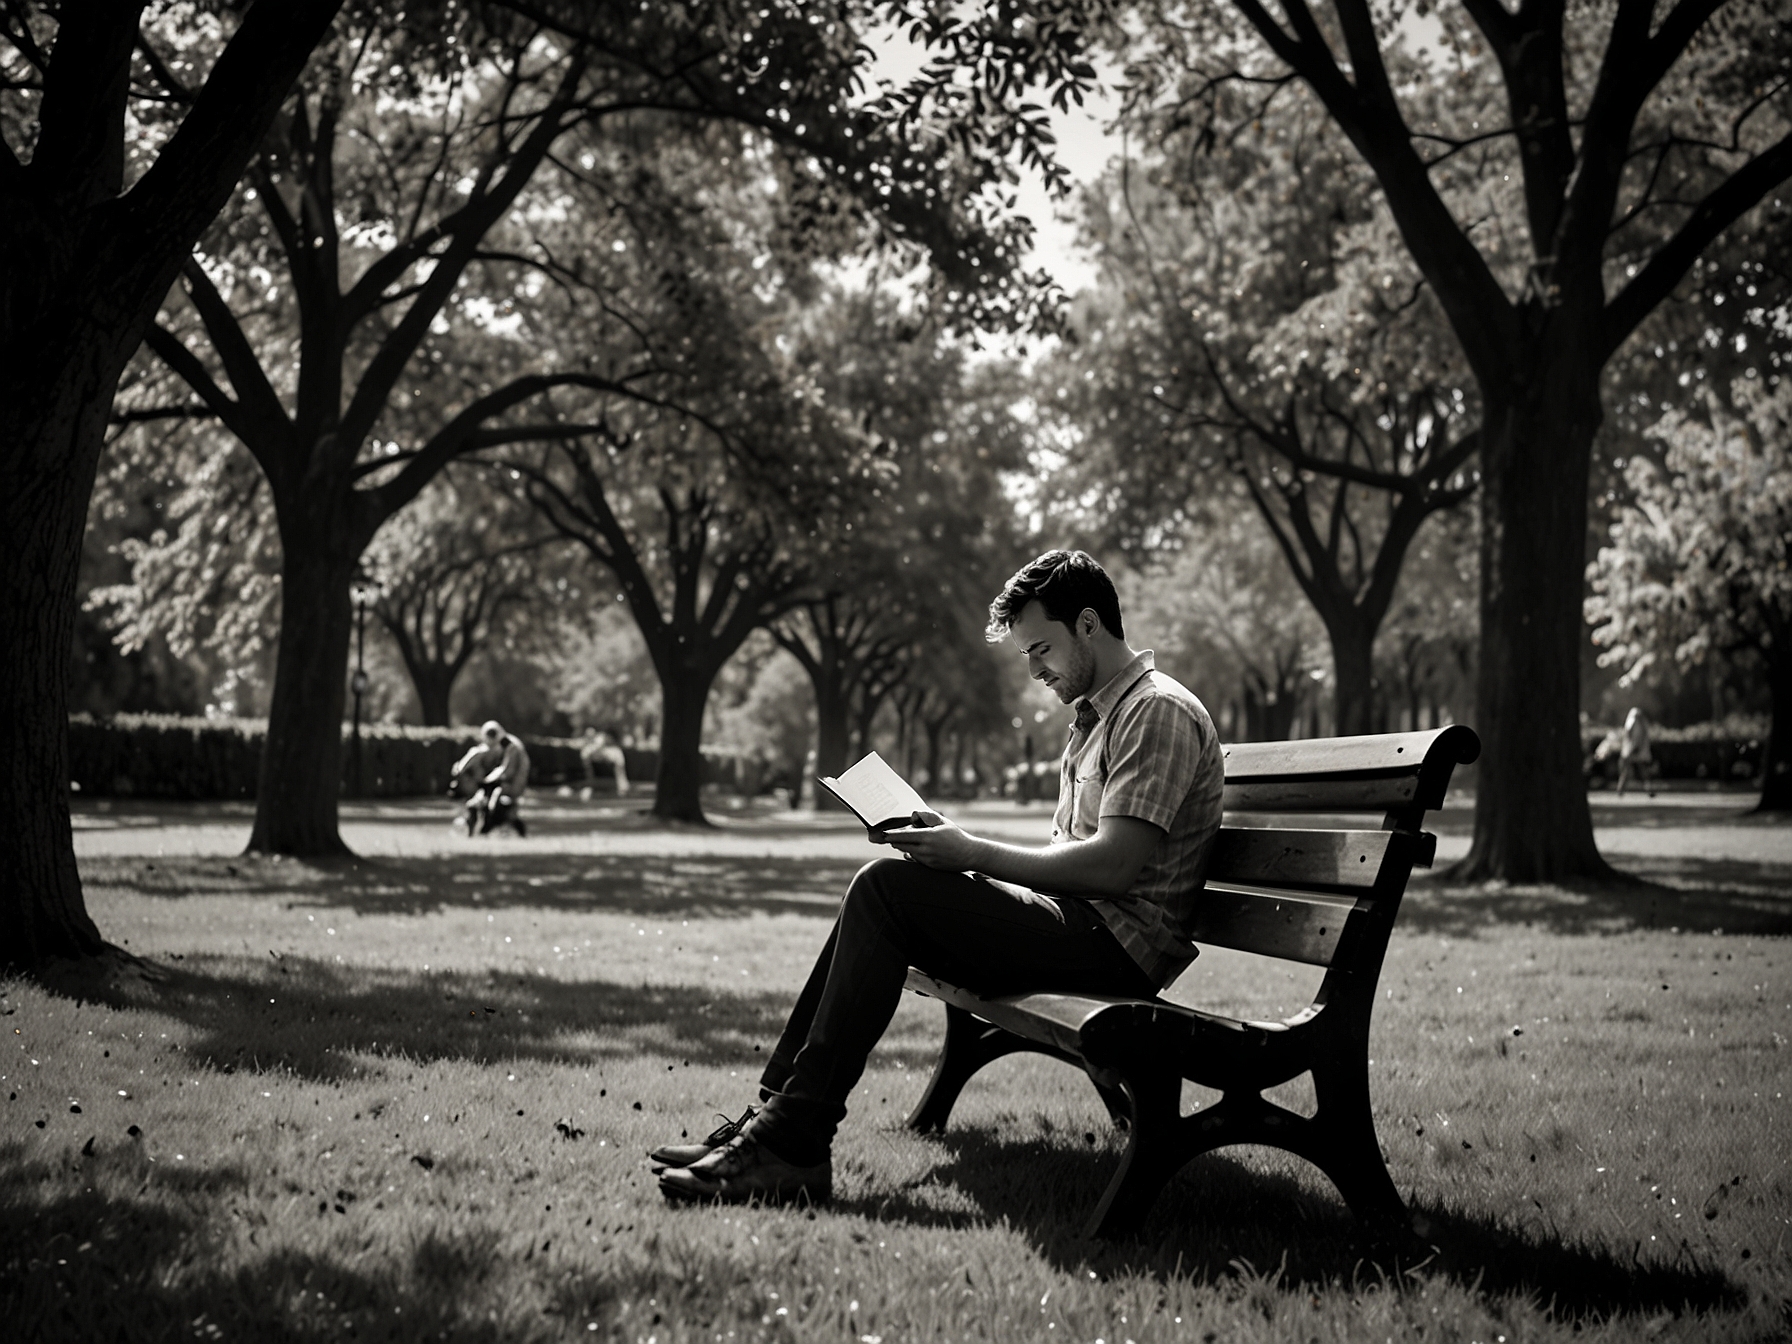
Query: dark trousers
[983, 935]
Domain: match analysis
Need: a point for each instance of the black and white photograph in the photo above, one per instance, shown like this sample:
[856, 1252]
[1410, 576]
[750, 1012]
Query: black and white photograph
[896, 671]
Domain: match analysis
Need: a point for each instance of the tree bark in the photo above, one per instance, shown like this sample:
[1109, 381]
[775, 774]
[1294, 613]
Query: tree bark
[1353, 663]
[82, 271]
[433, 692]
[1776, 769]
[301, 763]
[832, 726]
[434, 684]
[53, 402]
[1532, 822]
[678, 787]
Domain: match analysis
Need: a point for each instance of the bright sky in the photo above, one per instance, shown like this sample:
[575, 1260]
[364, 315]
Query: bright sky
[1084, 148]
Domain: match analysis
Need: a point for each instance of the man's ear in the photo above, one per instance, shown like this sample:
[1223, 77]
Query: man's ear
[1088, 620]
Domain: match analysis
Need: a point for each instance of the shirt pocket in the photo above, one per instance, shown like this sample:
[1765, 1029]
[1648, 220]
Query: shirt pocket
[1085, 803]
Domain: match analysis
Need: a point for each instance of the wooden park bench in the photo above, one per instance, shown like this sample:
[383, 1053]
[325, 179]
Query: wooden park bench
[1319, 897]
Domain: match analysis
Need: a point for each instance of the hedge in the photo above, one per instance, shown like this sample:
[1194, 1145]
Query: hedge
[167, 756]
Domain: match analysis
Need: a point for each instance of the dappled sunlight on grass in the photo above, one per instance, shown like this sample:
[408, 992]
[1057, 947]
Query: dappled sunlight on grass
[548, 881]
[409, 1098]
[1671, 894]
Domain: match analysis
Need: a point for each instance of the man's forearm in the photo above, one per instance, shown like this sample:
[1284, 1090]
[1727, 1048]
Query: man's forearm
[1074, 868]
[1105, 864]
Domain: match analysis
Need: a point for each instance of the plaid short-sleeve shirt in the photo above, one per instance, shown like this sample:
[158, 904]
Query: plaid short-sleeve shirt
[1144, 746]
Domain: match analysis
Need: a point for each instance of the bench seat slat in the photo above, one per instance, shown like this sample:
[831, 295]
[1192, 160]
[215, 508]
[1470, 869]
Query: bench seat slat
[1059, 1020]
[1319, 860]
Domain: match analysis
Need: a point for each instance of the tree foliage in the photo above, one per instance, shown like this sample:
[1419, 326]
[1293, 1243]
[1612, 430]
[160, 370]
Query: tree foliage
[935, 536]
[1699, 564]
[1553, 170]
[448, 575]
[1225, 618]
[356, 303]
[1259, 323]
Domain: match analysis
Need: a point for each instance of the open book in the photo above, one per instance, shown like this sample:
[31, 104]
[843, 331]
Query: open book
[877, 795]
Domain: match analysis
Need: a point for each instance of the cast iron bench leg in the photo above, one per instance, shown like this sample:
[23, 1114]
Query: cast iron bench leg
[970, 1044]
[1150, 1158]
[1345, 1147]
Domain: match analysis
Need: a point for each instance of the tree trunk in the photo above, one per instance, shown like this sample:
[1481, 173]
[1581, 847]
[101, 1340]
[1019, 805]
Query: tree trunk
[678, 787]
[82, 272]
[53, 405]
[1278, 717]
[864, 717]
[832, 725]
[1776, 769]
[434, 683]
[1532, 822]
[935, 734]
[1353, 663]
[301, 763]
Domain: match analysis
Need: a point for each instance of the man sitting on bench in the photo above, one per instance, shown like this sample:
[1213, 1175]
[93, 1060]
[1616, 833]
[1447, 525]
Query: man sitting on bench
[1101, 910]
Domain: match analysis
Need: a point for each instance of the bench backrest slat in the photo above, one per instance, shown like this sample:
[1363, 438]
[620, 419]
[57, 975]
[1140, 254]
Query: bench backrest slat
[1290, 893]
[1295, 926]
[1305, 860]
[1322, 795]
[1344, 774]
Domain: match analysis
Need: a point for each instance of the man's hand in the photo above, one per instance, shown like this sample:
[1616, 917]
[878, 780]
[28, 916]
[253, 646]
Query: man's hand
[1105, 864]
[934, 841]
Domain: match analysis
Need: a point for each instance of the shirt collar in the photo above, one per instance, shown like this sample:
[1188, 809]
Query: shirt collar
[1104, 700]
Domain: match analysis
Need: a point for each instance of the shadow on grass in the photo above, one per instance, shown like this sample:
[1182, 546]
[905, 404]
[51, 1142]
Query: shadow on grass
[322, 1021]
[1221, 1218]
[143, 1263]
[686, 886]
[1688, 894]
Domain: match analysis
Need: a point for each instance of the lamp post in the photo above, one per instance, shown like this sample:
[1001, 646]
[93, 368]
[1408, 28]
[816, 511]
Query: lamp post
[358, 682]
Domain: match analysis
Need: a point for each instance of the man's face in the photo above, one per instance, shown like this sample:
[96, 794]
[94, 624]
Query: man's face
[1061, 656]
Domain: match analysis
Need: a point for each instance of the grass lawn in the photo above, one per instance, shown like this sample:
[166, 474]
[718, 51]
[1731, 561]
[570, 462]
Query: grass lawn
[408, 1098]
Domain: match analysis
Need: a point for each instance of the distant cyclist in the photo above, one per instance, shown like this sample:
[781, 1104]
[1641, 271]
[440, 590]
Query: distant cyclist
[505, 783]
[467, 780]
[499, 768]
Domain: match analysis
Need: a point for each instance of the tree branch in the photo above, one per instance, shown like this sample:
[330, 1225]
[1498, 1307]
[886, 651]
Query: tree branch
[1479, 312]
[1742, 190]
[461, 433]
[241, 364]
[395, 351]
[199, 167]
[173, 352]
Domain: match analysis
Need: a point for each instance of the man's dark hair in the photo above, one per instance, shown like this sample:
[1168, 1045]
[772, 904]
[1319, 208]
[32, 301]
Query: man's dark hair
[1063, 583]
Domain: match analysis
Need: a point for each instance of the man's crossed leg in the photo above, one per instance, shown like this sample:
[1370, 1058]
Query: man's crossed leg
[991, 936]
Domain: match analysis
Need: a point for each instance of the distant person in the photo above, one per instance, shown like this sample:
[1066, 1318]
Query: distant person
[1634, 757]
[505, 782]
[602, 746]
[468, 779]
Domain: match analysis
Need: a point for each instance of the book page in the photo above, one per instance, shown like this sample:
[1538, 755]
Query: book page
[876, 792]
